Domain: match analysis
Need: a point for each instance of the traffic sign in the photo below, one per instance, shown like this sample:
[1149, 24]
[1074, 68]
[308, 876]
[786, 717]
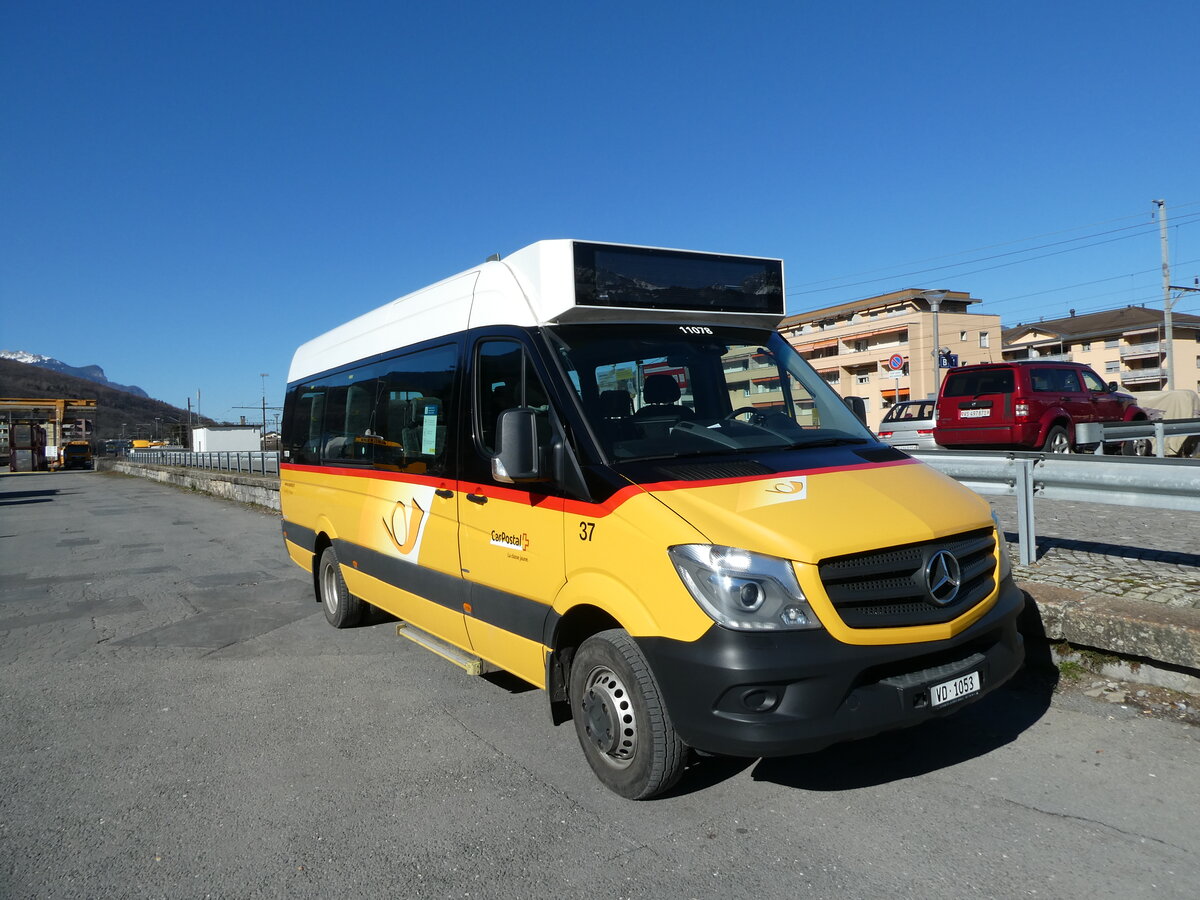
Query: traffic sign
[895, 362]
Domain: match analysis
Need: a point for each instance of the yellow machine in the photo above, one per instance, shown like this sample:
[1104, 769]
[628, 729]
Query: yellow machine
[58, 419]
[600, 468]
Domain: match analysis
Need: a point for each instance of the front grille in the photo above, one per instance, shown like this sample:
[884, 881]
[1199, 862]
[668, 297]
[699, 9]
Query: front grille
[888, 589]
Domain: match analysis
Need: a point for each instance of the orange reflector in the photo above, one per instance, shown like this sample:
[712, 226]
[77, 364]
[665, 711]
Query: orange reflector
[467, 608]
[354, 562]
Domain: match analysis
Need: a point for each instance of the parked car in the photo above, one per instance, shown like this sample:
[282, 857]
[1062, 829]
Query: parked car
[1028, 405]
[908, 425]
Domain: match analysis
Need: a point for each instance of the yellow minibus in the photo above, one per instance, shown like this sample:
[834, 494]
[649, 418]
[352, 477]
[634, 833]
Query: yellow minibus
[599, 467]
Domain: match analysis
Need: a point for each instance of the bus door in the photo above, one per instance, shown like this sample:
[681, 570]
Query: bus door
[511, 535]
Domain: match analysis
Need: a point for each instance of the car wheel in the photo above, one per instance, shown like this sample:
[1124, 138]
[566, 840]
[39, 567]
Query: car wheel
[342, 609]
[620, 720]
[1138, 447]
[1057, 440]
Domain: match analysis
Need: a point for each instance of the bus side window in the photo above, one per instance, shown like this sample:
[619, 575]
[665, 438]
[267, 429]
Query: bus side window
[412, 417]
[303, 424]
[505, 379]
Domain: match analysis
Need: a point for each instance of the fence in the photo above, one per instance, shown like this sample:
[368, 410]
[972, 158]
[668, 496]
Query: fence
[251, 462]
[1162, 484]
[1093, 432]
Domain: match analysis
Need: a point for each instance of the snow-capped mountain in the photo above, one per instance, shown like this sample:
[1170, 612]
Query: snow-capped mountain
[91, 373]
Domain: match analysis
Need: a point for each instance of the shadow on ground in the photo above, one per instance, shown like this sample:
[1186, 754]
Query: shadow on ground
[971, 732]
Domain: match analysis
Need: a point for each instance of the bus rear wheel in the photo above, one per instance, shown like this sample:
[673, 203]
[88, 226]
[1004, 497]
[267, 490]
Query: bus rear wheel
[342, 609]
[620, 720]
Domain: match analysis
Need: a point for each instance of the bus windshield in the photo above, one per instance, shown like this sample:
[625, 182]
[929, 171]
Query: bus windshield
[661, 391]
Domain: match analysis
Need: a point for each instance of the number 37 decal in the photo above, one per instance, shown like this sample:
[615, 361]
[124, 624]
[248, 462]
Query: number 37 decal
[586, 530]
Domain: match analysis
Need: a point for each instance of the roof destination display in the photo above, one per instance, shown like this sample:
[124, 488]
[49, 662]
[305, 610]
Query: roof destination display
[642, 277]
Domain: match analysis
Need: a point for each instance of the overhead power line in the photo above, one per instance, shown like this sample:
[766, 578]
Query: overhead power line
[1137, 231]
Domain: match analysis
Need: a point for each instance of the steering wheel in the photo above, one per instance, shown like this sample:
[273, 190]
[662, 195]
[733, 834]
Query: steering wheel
[756, 415]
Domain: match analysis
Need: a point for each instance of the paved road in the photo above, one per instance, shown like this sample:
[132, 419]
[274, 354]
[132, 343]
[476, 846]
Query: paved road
[178, 721]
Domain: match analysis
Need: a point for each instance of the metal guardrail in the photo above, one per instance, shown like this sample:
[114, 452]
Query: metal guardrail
[251, 462]
[1122, 480]
[1099, 432]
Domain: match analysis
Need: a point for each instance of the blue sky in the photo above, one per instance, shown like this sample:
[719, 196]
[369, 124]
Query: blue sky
[190, 190]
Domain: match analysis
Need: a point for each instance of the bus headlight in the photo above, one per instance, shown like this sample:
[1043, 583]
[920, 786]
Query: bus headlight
[742, 590]
[1005, 562]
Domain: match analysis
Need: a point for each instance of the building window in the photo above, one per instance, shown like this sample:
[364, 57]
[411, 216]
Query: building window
[832, 378]
[1086, 346]
[983, 339]
[962, 335]
[860, 346]
[1113, 365]
[1112, 343]
[862, 378]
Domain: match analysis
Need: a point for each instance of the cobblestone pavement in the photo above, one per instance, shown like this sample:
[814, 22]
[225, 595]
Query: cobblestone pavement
[1119, 551]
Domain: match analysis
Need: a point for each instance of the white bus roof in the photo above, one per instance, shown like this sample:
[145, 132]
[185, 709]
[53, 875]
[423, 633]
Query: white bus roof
[560, 282]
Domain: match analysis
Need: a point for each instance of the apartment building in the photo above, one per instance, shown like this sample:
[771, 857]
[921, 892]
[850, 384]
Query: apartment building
[850, 345]
[1127, 346]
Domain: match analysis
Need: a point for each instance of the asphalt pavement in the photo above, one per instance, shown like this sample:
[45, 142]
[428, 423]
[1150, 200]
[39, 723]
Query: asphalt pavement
[179, 721]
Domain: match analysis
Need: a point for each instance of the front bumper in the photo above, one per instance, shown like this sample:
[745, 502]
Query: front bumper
[776, 694]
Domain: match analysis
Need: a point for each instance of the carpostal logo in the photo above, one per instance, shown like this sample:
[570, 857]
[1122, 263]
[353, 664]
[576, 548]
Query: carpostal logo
[511, 541]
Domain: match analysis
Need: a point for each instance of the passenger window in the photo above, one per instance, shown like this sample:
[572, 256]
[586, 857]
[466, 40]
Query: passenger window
[1042, 380]
[412, 412]
[389, 415]
[1094, 384]
[505, 379]
[303, 423]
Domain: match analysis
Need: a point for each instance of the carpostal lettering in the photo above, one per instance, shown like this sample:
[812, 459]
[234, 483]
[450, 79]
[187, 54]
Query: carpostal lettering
[511, 541]
[716, 530]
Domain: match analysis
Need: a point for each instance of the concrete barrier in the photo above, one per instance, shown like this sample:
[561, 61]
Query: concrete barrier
[259, 490]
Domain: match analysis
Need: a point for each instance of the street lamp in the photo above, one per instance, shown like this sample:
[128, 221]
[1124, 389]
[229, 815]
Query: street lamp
[935, 302]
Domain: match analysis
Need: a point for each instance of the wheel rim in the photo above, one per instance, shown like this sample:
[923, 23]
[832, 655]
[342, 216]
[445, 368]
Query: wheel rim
[608, 717]
[1060, 444]
[329, 588]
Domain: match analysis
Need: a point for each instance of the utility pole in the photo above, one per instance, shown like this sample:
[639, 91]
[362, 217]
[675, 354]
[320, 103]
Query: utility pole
[1168, 325]
[263, 376]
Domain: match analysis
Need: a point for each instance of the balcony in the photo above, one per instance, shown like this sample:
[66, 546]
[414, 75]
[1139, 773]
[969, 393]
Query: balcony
[1133, 351]
[1141, 376]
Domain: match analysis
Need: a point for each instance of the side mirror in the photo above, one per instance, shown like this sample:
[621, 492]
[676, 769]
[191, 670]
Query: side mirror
[518, 457]
[1113, 387]
[858, 406]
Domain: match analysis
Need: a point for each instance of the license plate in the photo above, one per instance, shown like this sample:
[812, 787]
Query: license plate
[949, 691]
[905, 446]
[973, 413]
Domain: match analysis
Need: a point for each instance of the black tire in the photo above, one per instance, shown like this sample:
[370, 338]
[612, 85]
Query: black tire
[1137, 447]
[342, 609]
[620, 718]
[1057, 440]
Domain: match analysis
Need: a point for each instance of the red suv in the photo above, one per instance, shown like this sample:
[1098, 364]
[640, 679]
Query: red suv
[1030, 405]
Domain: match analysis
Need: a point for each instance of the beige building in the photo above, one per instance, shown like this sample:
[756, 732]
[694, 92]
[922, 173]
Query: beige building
[850, 345]
[1127, 346]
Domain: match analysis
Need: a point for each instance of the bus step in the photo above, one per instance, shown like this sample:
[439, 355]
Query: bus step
[472, 665]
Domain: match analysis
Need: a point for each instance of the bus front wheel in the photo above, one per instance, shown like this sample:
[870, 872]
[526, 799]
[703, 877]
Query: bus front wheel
[620, 718]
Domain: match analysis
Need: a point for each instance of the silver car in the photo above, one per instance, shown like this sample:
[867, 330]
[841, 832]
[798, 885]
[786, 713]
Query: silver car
[909, 425]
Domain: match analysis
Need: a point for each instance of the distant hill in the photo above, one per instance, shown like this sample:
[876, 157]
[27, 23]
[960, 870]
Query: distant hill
[91, 373]
[118, 412]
